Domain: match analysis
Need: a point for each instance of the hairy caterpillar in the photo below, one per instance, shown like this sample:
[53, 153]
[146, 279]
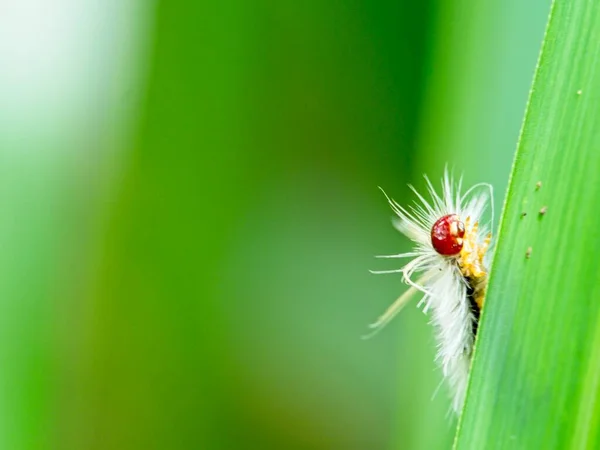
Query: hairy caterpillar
[449, 267]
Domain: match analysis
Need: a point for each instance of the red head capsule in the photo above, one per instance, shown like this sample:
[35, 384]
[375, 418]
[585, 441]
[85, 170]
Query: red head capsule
[447, 235]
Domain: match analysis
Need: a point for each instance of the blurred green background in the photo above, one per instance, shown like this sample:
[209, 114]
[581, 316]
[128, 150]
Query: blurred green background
[189, 210]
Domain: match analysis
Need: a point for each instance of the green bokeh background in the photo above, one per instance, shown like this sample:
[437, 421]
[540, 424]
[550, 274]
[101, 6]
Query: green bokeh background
[189, 210]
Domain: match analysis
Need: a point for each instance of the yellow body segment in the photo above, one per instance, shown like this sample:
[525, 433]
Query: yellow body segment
[470, 260]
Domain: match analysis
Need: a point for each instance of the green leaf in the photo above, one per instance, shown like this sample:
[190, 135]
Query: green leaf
[536, 370]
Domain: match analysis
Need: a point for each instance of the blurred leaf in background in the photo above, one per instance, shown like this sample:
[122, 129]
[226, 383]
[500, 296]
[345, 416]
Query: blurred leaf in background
[70, 81]
[190, 212]
[234, 288]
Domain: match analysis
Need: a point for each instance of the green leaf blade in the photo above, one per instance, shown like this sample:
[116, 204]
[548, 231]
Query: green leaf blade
[536, 370]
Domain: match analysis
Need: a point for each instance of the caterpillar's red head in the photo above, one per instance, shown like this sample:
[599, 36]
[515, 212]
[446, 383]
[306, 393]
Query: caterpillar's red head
[447, 235]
